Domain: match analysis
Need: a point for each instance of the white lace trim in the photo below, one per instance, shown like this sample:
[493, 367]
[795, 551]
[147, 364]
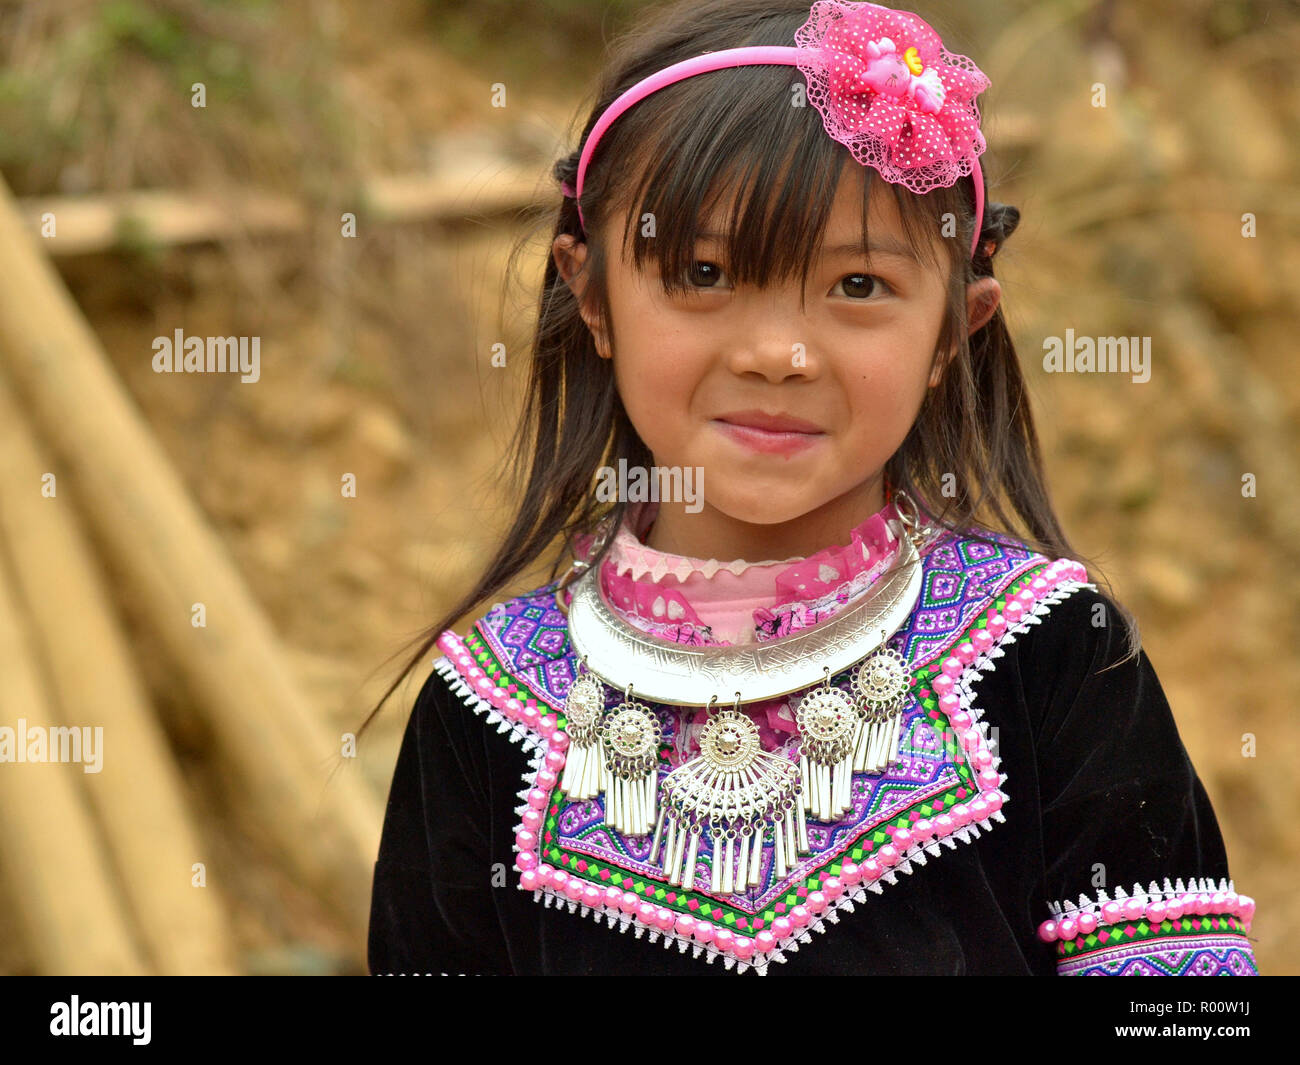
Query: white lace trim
[1152, 893]
[630, 556]
[982, 664]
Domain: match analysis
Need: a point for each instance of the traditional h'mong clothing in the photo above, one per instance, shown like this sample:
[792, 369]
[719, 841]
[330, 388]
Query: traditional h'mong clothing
[1038, 813]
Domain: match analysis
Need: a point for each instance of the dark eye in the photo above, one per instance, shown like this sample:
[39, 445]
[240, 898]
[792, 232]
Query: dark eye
[860, 286]
[705, 274]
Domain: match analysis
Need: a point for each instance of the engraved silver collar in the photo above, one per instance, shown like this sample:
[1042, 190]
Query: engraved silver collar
[681, 675]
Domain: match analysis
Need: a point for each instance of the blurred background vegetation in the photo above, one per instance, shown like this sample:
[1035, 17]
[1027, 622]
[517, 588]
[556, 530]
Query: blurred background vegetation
[375, 350]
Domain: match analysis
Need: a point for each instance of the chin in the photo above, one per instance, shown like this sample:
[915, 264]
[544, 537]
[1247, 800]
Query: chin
[770, 508]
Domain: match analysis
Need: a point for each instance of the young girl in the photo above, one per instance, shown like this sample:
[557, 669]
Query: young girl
[908, 740]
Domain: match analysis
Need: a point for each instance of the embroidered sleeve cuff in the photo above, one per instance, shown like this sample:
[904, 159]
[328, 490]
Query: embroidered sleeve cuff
[1193, 929]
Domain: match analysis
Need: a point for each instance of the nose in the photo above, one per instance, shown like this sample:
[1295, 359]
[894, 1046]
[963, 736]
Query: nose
[773, 339]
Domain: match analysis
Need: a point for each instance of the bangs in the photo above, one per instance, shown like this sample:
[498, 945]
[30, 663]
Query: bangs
[731, 155]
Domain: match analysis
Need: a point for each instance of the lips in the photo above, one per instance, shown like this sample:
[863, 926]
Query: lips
[773, 434]
[772, 423]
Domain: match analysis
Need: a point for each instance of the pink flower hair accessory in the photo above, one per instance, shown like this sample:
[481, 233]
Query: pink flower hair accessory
[885, 87]
[890, 92]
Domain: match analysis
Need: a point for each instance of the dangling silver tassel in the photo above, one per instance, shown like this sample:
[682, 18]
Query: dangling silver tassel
[830, 729]
[584, 767]
[630, 735]
[880, 685]
[731, 790]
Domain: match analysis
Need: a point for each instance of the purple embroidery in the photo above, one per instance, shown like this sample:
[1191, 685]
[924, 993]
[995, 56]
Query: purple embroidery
[1226, 955]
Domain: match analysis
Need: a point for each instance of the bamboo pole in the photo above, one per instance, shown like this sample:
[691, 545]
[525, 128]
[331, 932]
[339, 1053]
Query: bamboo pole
[51, 857]
[272, 747]
[83, 224]
[138, 792]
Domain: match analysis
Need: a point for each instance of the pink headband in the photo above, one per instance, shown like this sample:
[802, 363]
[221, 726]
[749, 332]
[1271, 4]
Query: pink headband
[884, 84]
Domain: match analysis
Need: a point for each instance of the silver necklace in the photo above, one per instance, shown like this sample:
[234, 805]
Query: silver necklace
[733, 791]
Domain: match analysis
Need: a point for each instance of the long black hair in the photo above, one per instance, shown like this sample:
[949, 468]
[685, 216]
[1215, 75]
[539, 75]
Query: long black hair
[972, 457]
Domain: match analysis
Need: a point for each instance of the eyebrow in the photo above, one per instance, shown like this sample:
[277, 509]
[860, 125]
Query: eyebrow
[886, 246]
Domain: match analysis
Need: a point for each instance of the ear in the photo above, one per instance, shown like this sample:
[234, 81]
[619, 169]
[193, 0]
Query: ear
[982, 299]
[570, 259]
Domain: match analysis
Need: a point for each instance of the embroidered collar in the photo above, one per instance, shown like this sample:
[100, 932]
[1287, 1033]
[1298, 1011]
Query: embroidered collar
[516, 665]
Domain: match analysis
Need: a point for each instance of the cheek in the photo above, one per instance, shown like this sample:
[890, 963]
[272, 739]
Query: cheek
[655, 383]
[886, 396]
[645, 385]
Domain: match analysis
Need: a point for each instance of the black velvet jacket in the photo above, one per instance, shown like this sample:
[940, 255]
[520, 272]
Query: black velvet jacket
[1102, 792]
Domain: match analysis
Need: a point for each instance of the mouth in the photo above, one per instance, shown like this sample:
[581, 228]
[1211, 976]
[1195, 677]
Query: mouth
[772, 423]
[780, 434]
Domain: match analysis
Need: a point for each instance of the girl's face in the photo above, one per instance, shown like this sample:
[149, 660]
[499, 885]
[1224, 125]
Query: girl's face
[789, 414]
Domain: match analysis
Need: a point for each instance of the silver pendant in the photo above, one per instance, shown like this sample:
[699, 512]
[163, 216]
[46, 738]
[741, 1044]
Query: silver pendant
[733, 789]
[830, 728]
[584, 768]
[630, 736]
[879, 687]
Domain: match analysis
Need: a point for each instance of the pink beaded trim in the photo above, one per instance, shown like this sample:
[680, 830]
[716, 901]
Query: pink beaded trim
[526, 722]
[1203, 897]
[524, 711]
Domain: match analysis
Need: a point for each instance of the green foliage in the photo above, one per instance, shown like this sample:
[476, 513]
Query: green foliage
[128, 23]
[135, 241]
[540, 31]
[64, 104]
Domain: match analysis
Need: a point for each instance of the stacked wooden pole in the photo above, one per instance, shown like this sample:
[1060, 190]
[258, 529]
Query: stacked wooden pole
[104, 866]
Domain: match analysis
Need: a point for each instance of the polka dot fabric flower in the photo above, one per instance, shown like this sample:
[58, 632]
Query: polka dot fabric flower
[890, 92]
